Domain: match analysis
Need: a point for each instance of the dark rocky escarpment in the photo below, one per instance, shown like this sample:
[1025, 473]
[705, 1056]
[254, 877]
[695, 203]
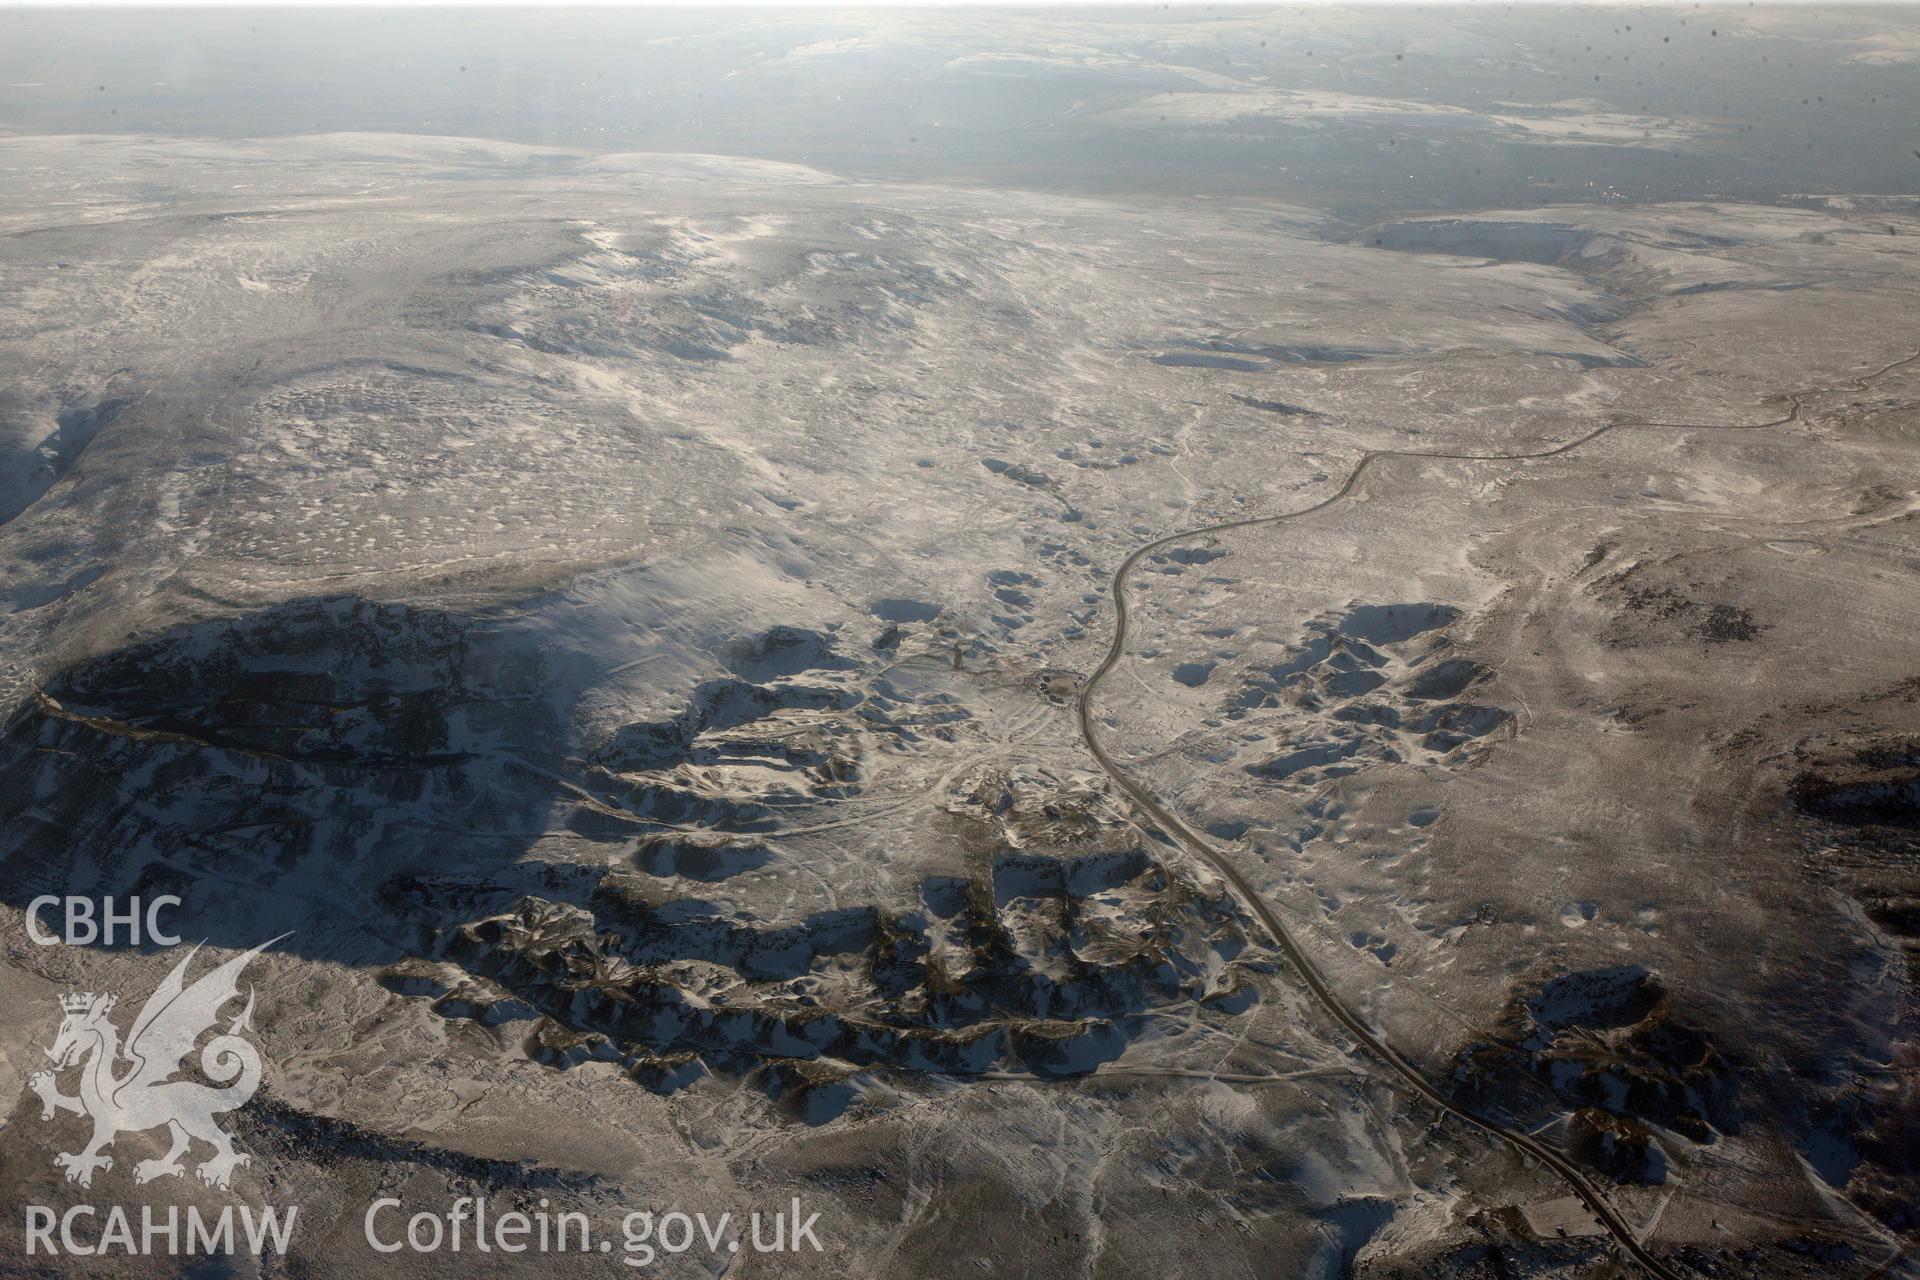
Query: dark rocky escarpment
[387, 767]
[1612, 1045]
[1373, 684]
[1046, 965]
[1872, 783]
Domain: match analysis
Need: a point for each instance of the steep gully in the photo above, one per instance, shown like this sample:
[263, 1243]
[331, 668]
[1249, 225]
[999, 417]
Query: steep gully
[1184, 837]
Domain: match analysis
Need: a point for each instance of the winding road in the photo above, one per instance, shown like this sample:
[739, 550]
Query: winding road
[1180, 834]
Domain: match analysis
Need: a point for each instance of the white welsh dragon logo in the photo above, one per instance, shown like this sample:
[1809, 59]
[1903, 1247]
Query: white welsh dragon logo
[143, 1097]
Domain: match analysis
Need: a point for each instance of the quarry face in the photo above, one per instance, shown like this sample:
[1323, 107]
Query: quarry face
[1102, 733]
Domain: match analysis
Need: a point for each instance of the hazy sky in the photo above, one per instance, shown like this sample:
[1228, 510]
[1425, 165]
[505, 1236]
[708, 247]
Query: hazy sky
[1378, 106]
